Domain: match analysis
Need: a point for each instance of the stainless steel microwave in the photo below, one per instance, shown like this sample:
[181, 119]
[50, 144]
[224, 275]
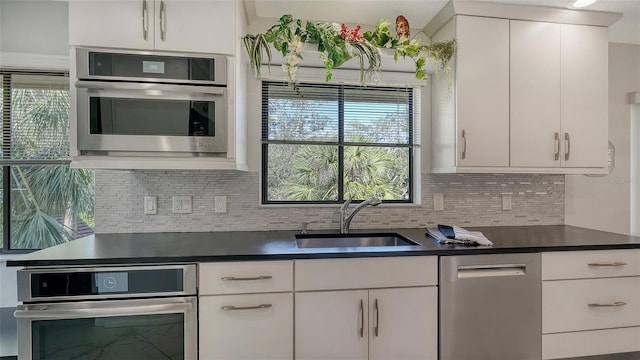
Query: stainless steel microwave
[150, 103]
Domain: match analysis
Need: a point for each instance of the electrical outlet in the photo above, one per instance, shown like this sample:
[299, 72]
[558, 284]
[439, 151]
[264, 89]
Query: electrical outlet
[182, 204]
[438, 202]
[150, 205]
[506, 202]
[220, 204]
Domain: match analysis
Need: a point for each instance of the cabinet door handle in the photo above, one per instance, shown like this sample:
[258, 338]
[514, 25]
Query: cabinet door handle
[361, 318]
[163, 20]
[567, 141]
[233, 278]
[145, 20]
[614, 304]
[377, 314]
[613, 263]
[261, 306]
[464, 144]
[557, 144]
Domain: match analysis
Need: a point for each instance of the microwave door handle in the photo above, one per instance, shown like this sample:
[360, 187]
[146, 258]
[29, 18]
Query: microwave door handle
[153, 88]
[102, 312]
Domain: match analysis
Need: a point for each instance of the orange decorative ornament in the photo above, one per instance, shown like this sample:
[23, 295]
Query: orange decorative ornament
[402, 27]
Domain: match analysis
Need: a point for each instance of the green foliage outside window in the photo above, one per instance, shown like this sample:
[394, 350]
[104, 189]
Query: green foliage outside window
[317, 142]
[49, 201]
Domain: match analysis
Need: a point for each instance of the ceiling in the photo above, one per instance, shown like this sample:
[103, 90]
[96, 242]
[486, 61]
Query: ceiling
[420, 12]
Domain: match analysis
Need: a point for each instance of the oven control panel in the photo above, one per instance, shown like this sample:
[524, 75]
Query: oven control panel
[106, 282]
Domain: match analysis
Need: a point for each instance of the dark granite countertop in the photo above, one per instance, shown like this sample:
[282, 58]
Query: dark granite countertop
[145, 248]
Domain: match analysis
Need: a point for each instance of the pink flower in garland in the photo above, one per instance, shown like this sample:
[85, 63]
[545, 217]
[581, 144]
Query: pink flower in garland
[351, 35]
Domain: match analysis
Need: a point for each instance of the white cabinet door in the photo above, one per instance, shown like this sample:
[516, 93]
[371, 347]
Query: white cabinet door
[403, 324]
[195, 26]
[112, 23]
[585, 95]
[331, 325]
[535, 94]
[482, 91]
[260, 327]
[172, 25]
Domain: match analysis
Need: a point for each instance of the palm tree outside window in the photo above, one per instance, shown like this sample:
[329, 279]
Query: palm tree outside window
[326, 143]
[44, 201]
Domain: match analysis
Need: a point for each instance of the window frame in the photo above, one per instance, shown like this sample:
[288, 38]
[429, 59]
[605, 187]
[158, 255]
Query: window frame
[264, 143]
[6, 162]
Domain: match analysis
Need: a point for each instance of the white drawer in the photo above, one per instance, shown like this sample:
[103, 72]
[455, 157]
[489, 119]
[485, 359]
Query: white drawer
[366, 273]
[571, 305]
[585, 343]
[248, 326]
[245, 277]
[590, 264]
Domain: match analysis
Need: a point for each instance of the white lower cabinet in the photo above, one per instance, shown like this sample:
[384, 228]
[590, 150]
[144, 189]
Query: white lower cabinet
[246, 310]
[380, 324]
[331, 325]
[366, 308]
[590, 303]
[246, 327]
[406, 322]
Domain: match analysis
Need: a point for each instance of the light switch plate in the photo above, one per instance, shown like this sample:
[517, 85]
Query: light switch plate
[438, 202]
[182, 204]
[506, 202]
[220, 204]
[150, 205]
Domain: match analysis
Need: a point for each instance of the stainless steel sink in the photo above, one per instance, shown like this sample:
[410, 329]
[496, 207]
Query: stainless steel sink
[352, 240]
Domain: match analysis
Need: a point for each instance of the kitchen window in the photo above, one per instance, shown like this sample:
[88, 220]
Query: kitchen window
[44, 201]
[327, 143]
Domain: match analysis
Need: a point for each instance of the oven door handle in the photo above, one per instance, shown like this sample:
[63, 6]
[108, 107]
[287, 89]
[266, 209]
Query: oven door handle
[152, 88]
[102, 312]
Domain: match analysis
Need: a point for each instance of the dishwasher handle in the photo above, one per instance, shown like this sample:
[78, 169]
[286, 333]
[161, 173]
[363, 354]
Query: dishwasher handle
[493, 270]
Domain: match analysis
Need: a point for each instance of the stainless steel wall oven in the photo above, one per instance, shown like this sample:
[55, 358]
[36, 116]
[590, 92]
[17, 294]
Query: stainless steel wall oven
[150, 103]
[108, 313]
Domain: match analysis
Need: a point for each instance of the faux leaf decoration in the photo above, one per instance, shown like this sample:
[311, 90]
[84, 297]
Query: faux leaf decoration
[338, 44]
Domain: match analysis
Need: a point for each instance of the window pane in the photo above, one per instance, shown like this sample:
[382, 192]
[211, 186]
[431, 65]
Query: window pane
[382, 172]
[50, 205]
[39, 117]
[370, 126]
[309, 114]
[302, 173]
[377, 116]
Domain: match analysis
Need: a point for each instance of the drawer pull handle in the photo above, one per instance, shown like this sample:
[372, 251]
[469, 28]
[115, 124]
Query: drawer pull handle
[614, 263]
[361, 318]
[233, 278]
[261, 306]
[377, 327]
[617, 303]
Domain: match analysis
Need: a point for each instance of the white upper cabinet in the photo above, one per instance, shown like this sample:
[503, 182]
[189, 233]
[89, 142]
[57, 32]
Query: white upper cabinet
[121, 24]
[482, 91]
[585, 95]
[558, 95]
[529, 91]
[535, 94]
[172, 25]
[470, 123]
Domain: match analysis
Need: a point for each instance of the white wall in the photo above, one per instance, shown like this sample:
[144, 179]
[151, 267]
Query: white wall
[34, 34]
[8, 286]
[603, 203]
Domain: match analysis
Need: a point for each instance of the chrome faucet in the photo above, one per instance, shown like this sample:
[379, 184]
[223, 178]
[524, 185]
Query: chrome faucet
[345, 218]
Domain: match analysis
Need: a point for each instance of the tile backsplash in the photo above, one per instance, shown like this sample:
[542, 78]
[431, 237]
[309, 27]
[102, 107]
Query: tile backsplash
[469, 200]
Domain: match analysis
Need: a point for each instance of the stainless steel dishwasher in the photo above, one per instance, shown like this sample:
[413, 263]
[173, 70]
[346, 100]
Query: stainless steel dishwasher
[490, 307]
